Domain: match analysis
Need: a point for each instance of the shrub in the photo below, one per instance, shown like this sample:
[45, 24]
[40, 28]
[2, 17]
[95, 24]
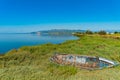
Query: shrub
[102, 32]
[89, 32]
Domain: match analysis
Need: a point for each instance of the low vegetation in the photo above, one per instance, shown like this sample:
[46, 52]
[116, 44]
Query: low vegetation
[32, 62]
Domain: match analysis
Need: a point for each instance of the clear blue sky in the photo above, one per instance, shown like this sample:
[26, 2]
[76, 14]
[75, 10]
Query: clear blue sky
[33, 15]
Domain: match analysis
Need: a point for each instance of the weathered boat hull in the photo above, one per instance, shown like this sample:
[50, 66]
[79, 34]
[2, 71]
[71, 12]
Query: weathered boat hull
[82, 61]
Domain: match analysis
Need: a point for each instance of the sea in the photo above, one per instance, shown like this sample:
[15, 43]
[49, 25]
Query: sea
[9, 41]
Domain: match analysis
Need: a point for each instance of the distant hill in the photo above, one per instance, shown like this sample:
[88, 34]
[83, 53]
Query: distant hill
[57, 32]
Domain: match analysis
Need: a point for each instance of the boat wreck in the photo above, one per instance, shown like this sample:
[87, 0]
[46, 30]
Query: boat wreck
[82, 61]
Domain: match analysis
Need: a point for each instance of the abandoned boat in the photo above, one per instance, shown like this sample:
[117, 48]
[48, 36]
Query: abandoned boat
[82, 61]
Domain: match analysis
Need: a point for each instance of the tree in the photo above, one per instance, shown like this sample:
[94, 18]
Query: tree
[89, 32]
[102, 32]
[116, 32]
[95, 32]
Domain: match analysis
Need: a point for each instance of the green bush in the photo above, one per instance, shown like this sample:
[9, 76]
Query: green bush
[102, 32]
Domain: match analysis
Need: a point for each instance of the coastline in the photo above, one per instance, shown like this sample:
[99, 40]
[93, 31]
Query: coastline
[11, 41]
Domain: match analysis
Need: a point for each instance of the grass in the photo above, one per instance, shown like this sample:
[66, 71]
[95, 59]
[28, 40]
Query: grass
[32, 62]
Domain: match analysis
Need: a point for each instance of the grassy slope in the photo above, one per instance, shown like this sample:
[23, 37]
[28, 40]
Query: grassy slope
[32, 63]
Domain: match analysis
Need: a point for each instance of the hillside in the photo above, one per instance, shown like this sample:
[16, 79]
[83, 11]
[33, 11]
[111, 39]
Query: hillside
[32, 62]
[57, 32]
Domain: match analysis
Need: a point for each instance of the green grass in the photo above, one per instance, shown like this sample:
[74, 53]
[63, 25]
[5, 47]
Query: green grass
[32, 62]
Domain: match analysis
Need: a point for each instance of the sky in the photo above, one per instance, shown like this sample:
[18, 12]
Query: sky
[35, 15]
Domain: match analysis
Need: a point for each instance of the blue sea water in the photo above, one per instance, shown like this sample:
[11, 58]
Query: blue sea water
[14, 41]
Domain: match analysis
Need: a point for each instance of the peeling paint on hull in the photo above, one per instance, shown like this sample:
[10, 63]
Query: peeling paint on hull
[82, 61]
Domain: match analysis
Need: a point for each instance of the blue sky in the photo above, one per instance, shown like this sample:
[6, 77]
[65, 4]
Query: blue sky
[33, 15]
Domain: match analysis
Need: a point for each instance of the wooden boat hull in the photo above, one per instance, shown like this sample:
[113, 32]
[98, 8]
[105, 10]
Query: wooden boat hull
[82, 61]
